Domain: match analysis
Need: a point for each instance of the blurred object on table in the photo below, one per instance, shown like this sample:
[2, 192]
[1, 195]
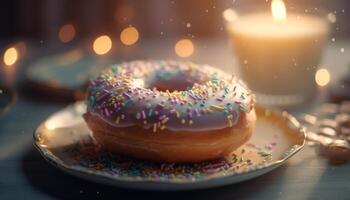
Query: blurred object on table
[341, 91]
[64, 75]
[7, 99]
[329, 128]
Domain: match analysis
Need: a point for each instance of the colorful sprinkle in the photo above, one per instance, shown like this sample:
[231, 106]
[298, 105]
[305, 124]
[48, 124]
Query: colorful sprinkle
[116, 93]
[111, 164]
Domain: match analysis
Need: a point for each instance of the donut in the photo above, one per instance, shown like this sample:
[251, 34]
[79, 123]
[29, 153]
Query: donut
[169, 111]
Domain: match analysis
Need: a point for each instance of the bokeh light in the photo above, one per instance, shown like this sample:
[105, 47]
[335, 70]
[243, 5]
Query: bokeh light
[66, 33]
[10, 56]
[332, 18]
[102, 44]
[322, 77]
[129, 36]
[184, 48]
[230, 15]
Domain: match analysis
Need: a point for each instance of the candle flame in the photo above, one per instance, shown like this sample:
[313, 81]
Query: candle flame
[278, 10]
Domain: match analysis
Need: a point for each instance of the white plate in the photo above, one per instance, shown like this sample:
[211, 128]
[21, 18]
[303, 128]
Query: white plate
[66, 142]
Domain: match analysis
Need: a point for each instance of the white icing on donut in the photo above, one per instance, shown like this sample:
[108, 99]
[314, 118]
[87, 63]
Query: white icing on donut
[123, 95]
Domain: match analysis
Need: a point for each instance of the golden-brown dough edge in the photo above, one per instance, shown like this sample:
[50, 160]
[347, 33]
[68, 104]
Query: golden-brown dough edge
[170, 146]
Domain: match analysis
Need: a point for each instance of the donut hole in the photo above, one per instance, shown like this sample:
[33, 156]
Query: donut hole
[174, 79]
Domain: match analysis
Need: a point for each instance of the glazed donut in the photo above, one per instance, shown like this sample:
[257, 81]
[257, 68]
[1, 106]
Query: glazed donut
[169, 111]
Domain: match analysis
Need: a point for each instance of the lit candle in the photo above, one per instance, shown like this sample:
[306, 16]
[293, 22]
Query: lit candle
[278, 53]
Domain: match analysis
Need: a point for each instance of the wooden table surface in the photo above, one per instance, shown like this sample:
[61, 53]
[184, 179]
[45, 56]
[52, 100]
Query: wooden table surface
[24, 174]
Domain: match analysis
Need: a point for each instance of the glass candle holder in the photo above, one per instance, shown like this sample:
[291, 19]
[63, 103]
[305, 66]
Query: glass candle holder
[278, 53]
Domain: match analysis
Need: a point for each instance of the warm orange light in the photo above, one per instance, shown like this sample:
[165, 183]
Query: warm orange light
[10, 56]
[278, 10]
[102, 45]
[230, 15]
[66, 33]
[322, 77]
[184, 48]
[129, 36]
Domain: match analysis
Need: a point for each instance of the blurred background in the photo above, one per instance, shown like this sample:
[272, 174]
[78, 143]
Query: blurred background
[42, 20]
[118, 30]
